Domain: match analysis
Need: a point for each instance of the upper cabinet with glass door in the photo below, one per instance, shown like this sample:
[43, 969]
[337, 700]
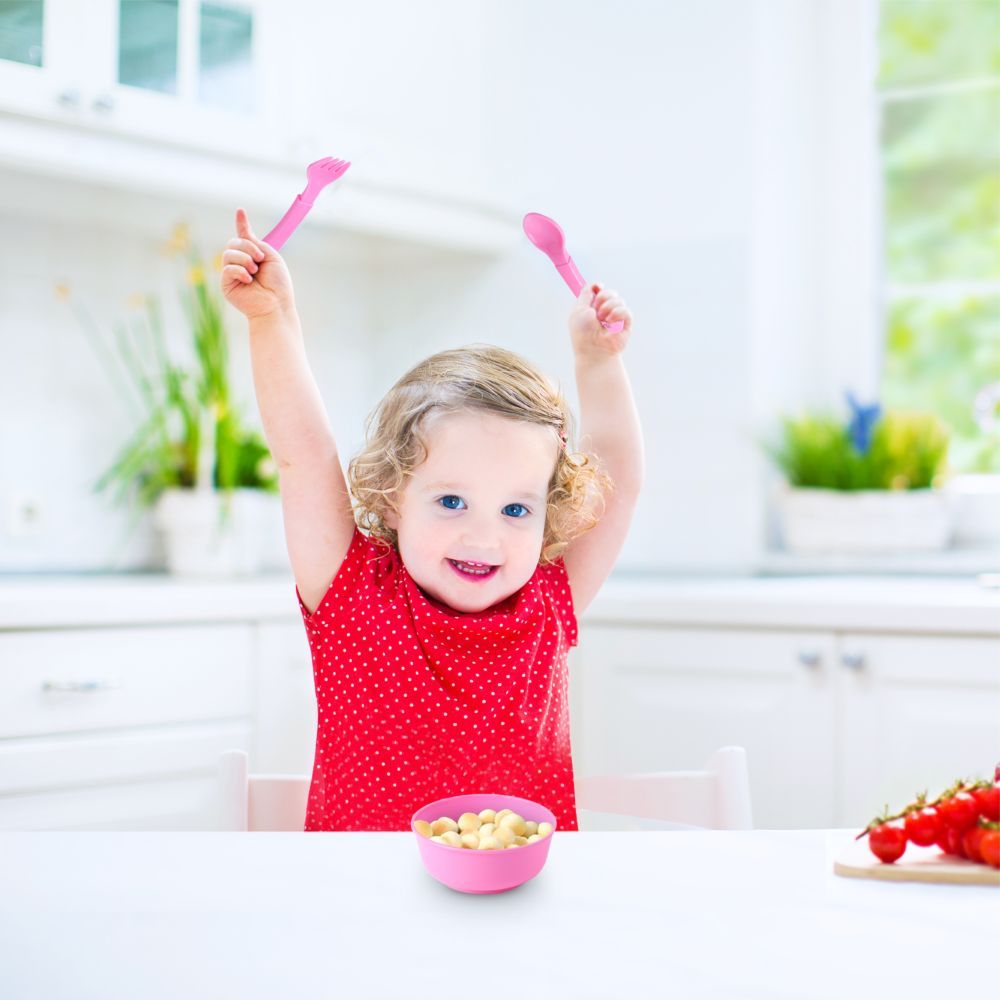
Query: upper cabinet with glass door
[186, 72]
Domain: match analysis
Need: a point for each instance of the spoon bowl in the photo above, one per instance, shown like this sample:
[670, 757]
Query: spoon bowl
[547, 235]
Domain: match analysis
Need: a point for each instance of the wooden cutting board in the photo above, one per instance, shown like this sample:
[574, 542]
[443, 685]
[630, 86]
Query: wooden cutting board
[918, 864]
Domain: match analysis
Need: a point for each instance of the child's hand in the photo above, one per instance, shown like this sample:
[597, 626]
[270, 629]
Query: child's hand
[594, 306]
[254, 277]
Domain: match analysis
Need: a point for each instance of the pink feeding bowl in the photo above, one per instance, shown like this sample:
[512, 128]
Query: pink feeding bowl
[469, 870]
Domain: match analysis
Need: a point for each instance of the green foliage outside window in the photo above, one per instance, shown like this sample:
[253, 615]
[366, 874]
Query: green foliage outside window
[941, 195]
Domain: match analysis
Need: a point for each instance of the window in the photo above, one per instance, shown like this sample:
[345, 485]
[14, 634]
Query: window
[21, 31]
[939, 95]
[153, 36]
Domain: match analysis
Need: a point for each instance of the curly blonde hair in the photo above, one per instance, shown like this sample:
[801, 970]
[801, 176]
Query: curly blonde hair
[478, 377]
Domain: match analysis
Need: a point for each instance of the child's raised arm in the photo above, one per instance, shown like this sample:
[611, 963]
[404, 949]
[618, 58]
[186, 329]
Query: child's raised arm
[315, 502]
[609, 423]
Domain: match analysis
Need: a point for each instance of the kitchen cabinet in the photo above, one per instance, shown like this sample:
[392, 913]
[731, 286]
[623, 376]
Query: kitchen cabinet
[117, 694]
[835, 724]
[657, 699]
[917, 712]
[120, 728]
[285, 709]
[186, 72]
[201, 101]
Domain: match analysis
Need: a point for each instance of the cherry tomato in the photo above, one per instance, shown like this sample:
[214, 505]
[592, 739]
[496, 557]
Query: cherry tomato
[923, 826]
[988, 802]
[960, 811]
[989, 847]
[950, 841]
[887, 842]
[971, 841]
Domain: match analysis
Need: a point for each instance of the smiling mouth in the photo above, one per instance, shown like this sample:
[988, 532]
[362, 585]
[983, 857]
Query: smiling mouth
[473, 571]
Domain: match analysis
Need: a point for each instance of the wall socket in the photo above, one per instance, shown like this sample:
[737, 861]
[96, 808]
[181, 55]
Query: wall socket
[23, 515]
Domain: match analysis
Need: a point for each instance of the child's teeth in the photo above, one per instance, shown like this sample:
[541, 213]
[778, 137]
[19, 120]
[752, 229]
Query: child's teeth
[478, 569]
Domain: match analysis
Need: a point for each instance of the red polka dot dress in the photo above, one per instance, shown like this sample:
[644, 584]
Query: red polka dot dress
[417, 701]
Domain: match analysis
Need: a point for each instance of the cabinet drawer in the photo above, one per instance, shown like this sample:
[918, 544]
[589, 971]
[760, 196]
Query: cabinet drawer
[64, 762]
[157, 780]
[170, 804]
[954, 660]
[79, 680]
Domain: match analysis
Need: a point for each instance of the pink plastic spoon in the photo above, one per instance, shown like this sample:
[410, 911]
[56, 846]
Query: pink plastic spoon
[548, 236]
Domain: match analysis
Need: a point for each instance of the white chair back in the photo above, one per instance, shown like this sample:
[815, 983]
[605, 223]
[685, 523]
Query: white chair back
[274, 802]
[717, 797]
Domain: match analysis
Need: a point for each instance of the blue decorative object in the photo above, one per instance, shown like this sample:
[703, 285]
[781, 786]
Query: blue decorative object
[863, 420]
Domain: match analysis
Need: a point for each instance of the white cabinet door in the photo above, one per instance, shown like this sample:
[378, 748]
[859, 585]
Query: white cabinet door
[286, 702]
[153, 778]
[43, 62]
[202, 74]
[84, 680]
[918, 712]
[663, 698]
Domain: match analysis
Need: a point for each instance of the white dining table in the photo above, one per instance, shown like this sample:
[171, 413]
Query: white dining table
[757, 914]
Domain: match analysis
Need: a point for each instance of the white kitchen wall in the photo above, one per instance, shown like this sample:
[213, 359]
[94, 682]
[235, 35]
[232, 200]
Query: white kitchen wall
[630, 125]
[638, 127]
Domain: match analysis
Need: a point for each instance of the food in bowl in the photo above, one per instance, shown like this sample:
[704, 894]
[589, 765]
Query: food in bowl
[459, 848]
[487, 830]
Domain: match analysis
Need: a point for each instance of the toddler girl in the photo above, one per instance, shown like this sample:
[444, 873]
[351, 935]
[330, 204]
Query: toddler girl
[440, 634]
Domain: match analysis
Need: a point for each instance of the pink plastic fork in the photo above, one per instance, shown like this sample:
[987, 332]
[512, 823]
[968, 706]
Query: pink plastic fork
[318, 175]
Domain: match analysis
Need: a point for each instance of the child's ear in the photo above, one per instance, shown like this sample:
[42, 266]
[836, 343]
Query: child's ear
[391, 519]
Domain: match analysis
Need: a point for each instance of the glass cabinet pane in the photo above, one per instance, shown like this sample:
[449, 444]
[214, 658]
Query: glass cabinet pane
[147, 44]
[21, 31]
[225, 75]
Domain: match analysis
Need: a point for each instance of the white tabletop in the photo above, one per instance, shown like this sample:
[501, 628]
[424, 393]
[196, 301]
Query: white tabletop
[271, 915]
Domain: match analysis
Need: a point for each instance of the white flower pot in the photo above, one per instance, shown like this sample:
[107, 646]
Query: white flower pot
[977, 509]
[865, 521]
[209, 533]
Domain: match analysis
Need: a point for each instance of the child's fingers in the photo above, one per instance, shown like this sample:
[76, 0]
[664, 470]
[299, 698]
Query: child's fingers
[236, 272]
[247, 247]
[246, 233]
[243, 224]
[242, 252]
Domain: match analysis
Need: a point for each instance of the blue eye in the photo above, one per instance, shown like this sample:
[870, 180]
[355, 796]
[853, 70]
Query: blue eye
[458, 500]
[518, 516]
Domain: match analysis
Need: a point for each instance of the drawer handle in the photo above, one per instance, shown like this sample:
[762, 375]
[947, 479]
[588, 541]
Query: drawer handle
[854, 661]
[79, 686]
[810, 657]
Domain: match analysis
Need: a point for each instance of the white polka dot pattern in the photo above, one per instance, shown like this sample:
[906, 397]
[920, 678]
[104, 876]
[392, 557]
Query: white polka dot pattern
[417, 701]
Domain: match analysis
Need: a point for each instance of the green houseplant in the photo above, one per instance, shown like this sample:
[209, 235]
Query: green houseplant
[191, 459]
[870, 484]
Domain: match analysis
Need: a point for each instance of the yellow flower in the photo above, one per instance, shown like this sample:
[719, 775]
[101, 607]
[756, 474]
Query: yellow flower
[196, 275]
[178, 240]
[62, 291]
[136, 300]
[217, 263]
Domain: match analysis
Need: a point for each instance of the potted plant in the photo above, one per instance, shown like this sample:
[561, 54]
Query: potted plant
[209, 480]
[870, 485]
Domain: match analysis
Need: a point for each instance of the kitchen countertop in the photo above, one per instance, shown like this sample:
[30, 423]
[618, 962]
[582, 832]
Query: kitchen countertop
[891, 603]
[755, 914]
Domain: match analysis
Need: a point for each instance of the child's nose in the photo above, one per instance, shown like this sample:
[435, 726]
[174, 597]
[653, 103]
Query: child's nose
[484, 541]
